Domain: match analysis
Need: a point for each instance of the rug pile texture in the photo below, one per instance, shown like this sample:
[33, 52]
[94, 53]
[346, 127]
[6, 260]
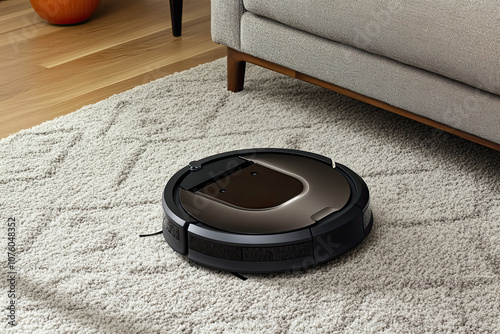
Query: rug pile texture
[81, 188]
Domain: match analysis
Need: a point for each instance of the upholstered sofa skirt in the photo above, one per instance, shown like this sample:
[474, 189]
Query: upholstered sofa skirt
[434, 96]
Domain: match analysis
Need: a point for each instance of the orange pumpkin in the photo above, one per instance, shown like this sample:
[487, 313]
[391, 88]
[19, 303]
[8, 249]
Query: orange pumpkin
[65, 11]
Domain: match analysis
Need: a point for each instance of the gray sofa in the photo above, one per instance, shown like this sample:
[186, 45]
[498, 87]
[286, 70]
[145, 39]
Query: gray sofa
[437, 62]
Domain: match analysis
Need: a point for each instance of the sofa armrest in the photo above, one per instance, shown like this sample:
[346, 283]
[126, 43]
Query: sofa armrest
[226, 18]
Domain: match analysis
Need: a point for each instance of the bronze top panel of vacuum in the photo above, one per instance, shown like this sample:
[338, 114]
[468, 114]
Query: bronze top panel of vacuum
[274, 193]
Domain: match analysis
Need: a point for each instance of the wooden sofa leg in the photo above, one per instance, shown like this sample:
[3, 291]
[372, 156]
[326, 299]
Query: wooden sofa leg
[235, 71]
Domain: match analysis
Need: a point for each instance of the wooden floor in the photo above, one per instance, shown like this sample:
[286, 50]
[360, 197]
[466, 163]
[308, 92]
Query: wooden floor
[47, 71]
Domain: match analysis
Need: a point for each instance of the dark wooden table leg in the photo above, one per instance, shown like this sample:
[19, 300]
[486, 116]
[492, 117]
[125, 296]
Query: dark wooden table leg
[176, 16]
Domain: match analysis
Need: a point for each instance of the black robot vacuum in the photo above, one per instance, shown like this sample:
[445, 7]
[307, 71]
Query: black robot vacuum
[265, 210]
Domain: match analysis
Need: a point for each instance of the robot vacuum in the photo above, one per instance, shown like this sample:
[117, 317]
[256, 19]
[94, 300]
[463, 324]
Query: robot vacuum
[265, 210]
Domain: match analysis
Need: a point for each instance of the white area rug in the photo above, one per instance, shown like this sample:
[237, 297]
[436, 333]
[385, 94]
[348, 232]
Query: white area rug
[82, 188]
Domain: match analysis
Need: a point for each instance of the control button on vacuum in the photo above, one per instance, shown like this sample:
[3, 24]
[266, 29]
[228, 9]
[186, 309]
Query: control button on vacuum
[194, 166]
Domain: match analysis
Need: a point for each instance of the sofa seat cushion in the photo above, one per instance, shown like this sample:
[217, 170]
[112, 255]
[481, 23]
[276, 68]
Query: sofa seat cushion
[457, 39]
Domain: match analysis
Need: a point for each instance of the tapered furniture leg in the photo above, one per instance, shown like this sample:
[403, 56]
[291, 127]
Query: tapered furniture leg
[235, 71]
[176, 16]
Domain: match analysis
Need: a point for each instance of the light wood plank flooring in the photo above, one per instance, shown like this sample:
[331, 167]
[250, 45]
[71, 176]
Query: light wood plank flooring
[47, 71]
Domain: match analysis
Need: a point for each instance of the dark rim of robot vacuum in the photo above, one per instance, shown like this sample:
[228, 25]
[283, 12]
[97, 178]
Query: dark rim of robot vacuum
[205, 223]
